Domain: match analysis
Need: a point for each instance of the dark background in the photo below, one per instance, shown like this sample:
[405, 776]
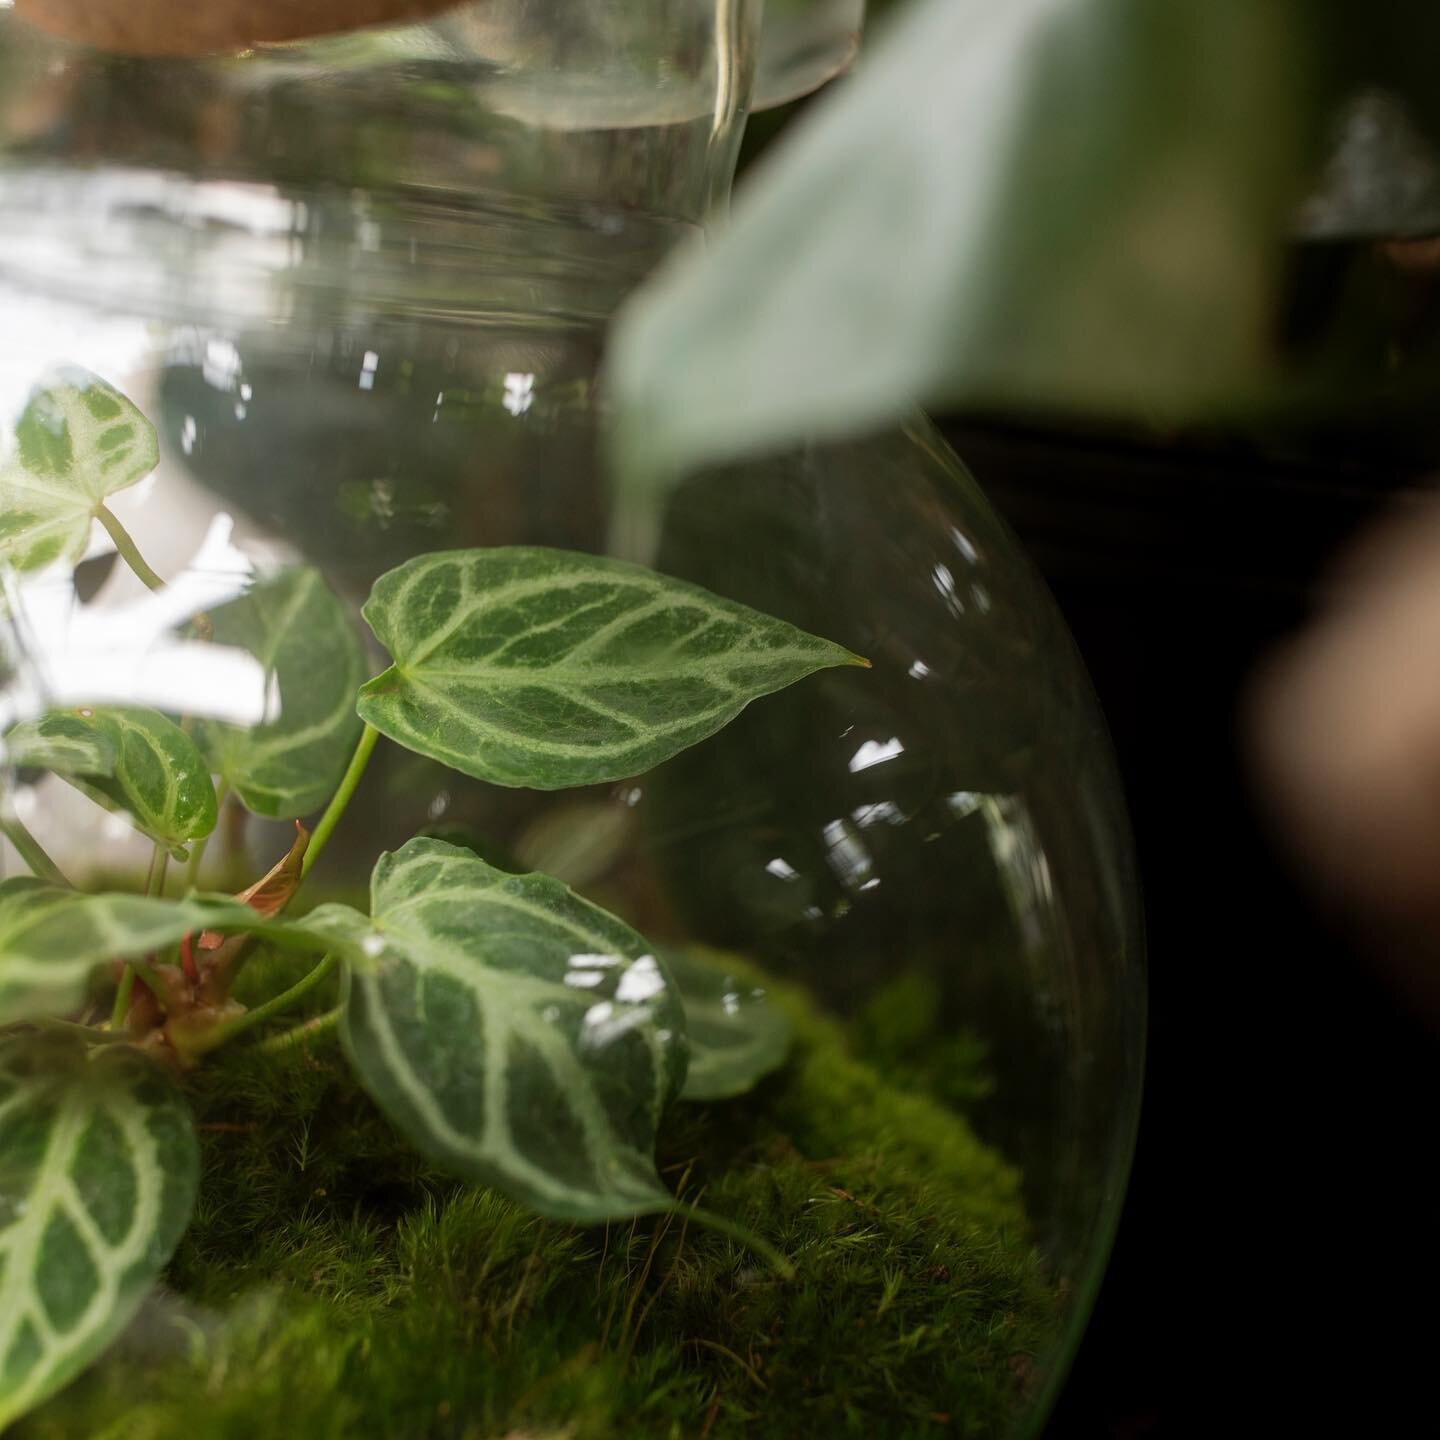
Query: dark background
[1273, 1265]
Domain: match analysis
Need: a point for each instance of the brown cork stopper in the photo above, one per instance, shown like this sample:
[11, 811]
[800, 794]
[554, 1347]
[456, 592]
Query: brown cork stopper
[211, 27]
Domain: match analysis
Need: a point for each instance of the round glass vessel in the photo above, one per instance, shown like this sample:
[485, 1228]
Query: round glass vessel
[358, 289]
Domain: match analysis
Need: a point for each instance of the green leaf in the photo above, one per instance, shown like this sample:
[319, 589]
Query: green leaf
[62, 741]
[98, 1171]
[51, 940]
[736, 1035]
[78, 441]
[548, 668]
[1014, 203]
[301, 634]
[516, 1033]
[160, 780]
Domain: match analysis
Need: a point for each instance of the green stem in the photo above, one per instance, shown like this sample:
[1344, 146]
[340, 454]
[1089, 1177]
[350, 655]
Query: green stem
[121, 1008]
[708, 1220]
[197, 852]
[299, 1034]
[129, 552]
[155, 875]
[286, 1000]
[336, 808]
[31, 851]
[154, 885]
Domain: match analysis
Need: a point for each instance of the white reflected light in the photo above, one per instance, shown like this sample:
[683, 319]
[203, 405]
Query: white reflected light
[519, 393]
[64, 653]
[875, 752]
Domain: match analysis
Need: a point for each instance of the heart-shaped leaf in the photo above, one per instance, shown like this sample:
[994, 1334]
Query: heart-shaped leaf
[517, 1034]
[737, 1036]
[78, 441]
[62, 741]
[160, 780]
[548, 668]
[98, 1170]
[51, 939]
[301, 634]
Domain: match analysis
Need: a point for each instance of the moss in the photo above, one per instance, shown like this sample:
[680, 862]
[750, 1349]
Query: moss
[333, 1285]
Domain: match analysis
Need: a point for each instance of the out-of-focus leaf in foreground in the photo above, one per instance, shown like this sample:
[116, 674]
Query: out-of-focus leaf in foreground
[1072, 204]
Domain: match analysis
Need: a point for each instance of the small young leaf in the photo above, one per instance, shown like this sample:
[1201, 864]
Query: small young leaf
[516, 1033]
[549, 668]
[159, 778]
[78, 441]
[62, 741]
[51, 939]
[736, 1035]
[98, 1170]
[301, 634]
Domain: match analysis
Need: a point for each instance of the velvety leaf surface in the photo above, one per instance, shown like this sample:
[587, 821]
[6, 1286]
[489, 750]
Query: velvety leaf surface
[98, 1170]
[77, 441]
[64, 742]
[736, 1035]
[160, 780]
[51, 939]
[298, 630]
[548, 668]
[516, 1033]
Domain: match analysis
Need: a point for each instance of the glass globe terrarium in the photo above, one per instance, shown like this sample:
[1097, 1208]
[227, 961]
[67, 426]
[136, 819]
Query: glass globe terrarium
[325, 1105]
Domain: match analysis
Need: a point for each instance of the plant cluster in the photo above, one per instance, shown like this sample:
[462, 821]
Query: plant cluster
[517, 1034]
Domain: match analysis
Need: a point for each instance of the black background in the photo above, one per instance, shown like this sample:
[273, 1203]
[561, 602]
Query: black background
[1273, 1268]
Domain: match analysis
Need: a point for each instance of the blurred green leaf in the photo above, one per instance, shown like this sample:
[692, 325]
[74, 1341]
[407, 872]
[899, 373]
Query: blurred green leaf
[1028, 202]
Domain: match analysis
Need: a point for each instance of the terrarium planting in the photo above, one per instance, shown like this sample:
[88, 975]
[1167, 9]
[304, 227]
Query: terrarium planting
[517, 1034]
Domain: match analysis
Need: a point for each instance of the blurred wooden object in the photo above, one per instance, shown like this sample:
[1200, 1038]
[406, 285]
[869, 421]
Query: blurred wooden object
[212, 27]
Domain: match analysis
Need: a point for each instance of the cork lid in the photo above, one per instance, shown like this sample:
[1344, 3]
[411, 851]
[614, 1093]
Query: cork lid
[211, 27]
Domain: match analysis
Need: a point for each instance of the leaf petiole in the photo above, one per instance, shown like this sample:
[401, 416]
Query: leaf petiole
[288, 1039]
[708, 1220]
[277, 1005]
[336, 808]
[31, 851]
[129, 551]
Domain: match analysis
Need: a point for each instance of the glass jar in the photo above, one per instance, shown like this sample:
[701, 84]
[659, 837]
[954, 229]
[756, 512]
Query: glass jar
[359, 286]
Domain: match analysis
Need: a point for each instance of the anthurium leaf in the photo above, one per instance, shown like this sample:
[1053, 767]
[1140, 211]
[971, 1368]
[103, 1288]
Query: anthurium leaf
[52, 939]
[160, 780]
[1014, 203]
[98, 1171]
[77, 441]
[549, 668]
[294, 625]
[516, 1033]
[65, 742]
[737, 1036]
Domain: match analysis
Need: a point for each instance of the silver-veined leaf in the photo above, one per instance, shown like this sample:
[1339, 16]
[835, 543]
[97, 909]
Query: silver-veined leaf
[737, 1035]
[549, 668]
[303, 637]
[77, 441]
[62, 741]
[516, 1033]
[52, 939]
[98, 1171]
[160, 779]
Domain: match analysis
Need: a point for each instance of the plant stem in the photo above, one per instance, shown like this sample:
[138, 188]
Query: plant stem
[336, 808]
[288, 1039]
[155, 875]
[31, 851]
[121, 1007]
[129, 551]
[154, 885]
[197, 852]
[276, 1006]
[708, 1220]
